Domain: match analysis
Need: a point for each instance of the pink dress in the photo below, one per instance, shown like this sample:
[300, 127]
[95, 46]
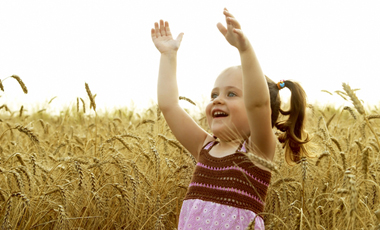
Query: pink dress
[202, 215]
[203, 211]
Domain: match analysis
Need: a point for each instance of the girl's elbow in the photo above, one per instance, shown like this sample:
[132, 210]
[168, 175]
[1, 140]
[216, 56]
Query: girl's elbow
[164, 106]
[253, 105]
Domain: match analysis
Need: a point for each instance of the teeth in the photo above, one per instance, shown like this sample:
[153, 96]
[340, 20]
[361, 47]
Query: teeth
[219, 113]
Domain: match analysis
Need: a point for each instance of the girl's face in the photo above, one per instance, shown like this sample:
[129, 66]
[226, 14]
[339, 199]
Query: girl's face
[226, 113]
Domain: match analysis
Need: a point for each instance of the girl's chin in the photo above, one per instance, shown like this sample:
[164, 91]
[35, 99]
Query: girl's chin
[226, 133]
[222, 133]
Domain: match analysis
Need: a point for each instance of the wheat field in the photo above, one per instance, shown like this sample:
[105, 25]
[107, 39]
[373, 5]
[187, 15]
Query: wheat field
[125, 170]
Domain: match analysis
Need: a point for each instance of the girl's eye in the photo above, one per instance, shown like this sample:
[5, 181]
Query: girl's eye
[214, 95]
[231, 94]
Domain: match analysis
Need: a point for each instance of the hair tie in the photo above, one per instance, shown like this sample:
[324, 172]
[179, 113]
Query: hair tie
[280, 84]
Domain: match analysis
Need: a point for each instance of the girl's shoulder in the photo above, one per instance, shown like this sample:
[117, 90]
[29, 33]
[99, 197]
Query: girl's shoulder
[268, 156]
[209, 138]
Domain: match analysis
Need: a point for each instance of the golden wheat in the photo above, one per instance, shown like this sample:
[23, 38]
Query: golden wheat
[1, 86]
[187, 99]
[21, 83]
[141, 172]
[92, 100]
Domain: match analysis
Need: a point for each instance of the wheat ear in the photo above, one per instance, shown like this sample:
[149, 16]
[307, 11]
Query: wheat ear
[263, 162]
[365, 160]
[21, 110]
[18, 79]
[343, 156]
[28, 132]
[62, 222]
[1, 86]
[336, 142]
[358, 105]
[84, 105]
[323, 90]
[187, 99]
[77, 104]
[323, 155]
[349, 109]
[78, 168]
[5, 107]
[92, 100]
[377, 214]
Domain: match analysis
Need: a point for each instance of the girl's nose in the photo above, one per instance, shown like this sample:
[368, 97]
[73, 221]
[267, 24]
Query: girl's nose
[218, 100]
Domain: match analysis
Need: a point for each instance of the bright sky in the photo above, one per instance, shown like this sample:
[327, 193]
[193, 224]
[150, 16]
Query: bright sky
[57, 46]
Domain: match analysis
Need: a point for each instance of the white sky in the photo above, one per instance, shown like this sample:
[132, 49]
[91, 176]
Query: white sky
[57, 46]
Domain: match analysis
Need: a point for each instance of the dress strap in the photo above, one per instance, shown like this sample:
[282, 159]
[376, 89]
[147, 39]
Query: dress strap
[209, 145]
[242, 147]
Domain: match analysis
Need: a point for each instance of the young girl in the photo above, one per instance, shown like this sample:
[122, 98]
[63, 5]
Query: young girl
[227, 191]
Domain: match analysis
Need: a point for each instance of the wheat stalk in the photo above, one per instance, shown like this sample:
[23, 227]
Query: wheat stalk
[158, 114]
[365, 153]
[84, 105]
[323, 90]
[159, 225]
[187, 99]
[357, 142]
[22, 169]
[268, 164]
[78, 168]
[28, 132]
[62, 222]
[354, 198]
[18, 178]
[33, 162]
[330, 119]
[343, 156]
[349, 109]
[336, 142]
[21, 83]
[323, 155]
[5, 107]
[77, 105]
[357, 104]
[1, 86]
[92, 100]
[8, 206]
[21, 110]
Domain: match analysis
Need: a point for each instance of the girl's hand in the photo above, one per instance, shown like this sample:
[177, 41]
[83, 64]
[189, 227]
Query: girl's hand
[163, 40]
[233, 34]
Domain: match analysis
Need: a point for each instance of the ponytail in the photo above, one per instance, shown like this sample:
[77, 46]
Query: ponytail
[294, 137]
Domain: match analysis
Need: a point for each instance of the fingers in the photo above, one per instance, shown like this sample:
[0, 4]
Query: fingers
[230, 19]
[153, 33]
[221, 28]
[239, 32]
[160, 29]
[156, 30]
[167, 29]
[233, 22]
[227, 13]
[179, 38]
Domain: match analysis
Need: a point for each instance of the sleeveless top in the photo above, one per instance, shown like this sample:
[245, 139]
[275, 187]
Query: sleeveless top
[231, 180]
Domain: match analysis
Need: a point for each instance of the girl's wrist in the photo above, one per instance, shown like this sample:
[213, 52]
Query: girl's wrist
[172, 53]
[246, 48]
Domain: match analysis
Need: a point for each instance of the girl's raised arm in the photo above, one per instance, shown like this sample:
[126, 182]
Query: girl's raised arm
[255, 89]
[184, 128]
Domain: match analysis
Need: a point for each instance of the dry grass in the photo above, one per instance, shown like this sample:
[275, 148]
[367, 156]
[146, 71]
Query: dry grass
[127, 171]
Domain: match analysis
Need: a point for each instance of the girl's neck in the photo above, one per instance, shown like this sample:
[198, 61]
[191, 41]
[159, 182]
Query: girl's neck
[229, 143]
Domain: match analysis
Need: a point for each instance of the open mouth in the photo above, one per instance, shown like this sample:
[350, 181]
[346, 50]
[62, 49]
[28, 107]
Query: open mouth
[219, 114]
